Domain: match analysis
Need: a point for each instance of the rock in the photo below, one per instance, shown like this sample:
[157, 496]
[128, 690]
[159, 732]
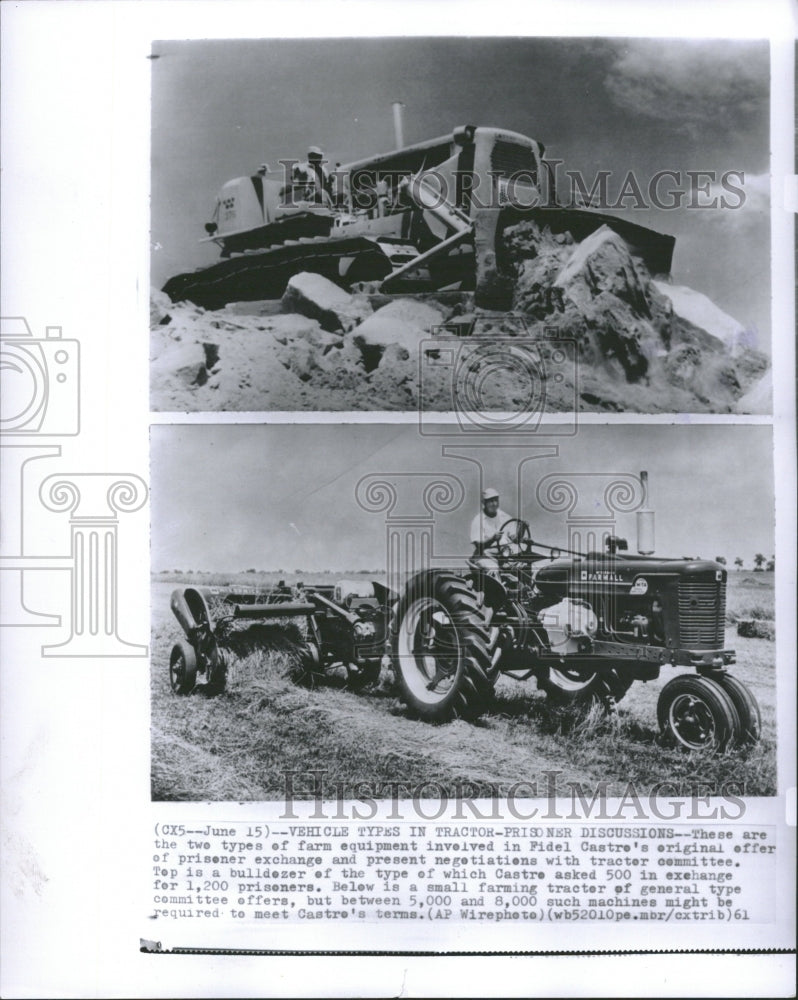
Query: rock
[702, 312]
[536, 295]
[601, 403]
[403, 322]
[160, 304]
[752, 366]
[756, 628]
[394, 354]
[348, 358]
[263, 307]
[300, 358]
[682, 365]
[316, 297]
[321, 339]
[183, 361]
[759, 398]
[602, 263]
[461, 325]
[538, 258]
[394, 381]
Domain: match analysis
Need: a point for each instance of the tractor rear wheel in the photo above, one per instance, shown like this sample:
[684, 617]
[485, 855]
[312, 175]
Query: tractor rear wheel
[440, 649]
[698, 714]
[182, 668]
[747, 707]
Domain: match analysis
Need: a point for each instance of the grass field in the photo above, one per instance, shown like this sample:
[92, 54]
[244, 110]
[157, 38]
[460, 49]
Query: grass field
[239, 745]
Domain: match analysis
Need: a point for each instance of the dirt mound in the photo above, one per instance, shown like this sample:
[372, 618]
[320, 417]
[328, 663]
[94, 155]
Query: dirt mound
[638, 350]
[632, 343]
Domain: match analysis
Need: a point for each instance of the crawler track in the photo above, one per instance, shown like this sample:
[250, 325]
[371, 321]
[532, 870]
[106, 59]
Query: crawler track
[263, 274]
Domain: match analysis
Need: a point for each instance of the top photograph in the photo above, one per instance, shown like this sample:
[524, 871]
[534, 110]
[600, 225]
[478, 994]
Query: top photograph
[492, 225]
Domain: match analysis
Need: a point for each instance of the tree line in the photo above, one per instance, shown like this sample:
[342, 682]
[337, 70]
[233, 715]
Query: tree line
[760, 562]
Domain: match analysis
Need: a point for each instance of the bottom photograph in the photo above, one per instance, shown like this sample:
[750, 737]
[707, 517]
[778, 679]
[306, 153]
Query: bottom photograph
[389, 611]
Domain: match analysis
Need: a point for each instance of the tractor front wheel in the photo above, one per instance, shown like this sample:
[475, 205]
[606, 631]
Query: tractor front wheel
[697, 714]
[747, 707]
[440, 649]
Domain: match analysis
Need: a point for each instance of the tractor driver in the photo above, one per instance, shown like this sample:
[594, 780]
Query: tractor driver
[486, 531]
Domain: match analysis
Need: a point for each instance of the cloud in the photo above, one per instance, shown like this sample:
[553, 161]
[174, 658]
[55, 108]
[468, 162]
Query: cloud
[746, 205]
[693, 85]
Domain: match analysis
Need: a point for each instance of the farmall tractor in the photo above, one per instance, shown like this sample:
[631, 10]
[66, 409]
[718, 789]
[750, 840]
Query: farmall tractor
[584, 625]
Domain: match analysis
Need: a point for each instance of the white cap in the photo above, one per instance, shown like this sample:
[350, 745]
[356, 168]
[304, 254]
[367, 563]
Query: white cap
[490, 494]
[315, 152]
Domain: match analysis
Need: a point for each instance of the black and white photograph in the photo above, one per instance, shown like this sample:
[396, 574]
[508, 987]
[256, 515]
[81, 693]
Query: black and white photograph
[323, 208]
[367, 602]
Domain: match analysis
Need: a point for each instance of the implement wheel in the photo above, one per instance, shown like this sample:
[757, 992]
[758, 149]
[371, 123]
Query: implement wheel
[360, 677]
[182, 668]
[440, 649]
[580, 688]
[698, 714]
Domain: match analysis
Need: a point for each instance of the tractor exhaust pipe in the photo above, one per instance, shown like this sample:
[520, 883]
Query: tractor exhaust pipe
[398, 124]
[645, 522]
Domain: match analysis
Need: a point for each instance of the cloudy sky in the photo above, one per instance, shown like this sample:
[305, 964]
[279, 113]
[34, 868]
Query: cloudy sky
[229, 498]
[220, 108]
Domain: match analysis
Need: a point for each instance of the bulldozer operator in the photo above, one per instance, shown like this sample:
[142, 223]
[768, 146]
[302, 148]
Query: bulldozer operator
[313, 176]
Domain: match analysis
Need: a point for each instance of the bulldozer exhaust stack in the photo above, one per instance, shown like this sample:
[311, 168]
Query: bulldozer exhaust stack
[398, 124]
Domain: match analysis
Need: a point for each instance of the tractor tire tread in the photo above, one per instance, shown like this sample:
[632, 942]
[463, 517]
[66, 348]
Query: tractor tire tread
[725, 716]
[473, 685]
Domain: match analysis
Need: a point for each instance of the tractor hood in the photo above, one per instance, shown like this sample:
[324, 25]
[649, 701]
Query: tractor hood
[624, 574]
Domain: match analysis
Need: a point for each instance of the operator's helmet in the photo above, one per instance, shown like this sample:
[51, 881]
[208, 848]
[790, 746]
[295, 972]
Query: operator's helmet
[490, 494]
[314, 153]
[263, 168]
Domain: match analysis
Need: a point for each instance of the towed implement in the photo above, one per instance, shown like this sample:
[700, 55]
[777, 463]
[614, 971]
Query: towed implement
[420, 218]
[343, 625]
[586, 626]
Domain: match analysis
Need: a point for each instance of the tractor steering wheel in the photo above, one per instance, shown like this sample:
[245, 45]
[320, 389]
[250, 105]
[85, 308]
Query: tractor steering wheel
[518, 535]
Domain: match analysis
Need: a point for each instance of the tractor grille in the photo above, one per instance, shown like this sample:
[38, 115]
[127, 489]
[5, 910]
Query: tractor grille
[702, 615]
[507, 158]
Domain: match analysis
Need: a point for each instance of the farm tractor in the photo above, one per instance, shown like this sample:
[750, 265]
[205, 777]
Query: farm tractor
[422, 217]
[584, 625]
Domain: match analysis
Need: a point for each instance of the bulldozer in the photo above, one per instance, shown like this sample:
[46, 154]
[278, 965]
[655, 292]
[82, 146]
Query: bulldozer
[423, 217]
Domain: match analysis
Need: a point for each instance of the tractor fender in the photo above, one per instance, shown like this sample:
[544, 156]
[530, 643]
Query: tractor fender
[423, 582]
[387, 596]
[495, 593]
[190, 608]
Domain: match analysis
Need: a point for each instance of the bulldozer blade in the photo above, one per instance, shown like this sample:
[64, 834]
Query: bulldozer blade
[653, 248]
